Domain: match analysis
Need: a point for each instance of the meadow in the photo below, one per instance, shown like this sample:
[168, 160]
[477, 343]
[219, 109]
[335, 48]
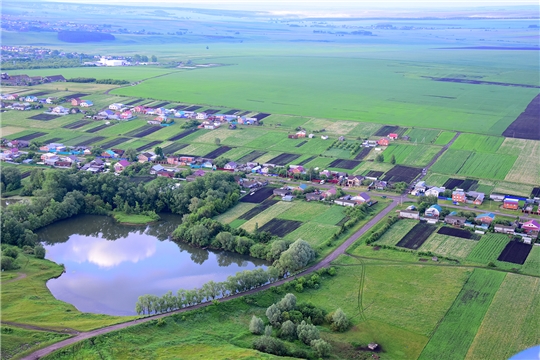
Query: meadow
[457, 331]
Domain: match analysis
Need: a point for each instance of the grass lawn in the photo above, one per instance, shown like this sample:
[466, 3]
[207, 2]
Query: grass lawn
[514, 310]
[29, 301]
[17, 341]
[449, 246]
[456, 332]
[122, 217]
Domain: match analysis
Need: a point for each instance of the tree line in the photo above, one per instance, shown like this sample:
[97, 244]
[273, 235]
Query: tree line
[59, 195]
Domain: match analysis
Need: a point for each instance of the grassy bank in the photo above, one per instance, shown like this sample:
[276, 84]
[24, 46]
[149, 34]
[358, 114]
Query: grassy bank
[135, 219]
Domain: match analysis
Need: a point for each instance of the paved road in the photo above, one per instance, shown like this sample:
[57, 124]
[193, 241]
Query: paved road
[323, 263]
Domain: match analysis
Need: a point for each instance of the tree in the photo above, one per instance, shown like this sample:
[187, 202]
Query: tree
[256, 325]
[97, 151]
[270, 345]
[144, 58]
[307, 332]
[11, 178]
[226, 240]
[288, 303]
[11, 252]
[321, 347]
[8, 263]
[288, 330]
[393, 159]
[339, 321]
[268, 330]
[130, 154]
[379, 158]
[217, 141]
[154, 58]
[273, 314]
[298, 255]
[159, 152]
[39, 251]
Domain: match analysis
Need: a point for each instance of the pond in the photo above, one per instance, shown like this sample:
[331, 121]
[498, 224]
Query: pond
[109, 265]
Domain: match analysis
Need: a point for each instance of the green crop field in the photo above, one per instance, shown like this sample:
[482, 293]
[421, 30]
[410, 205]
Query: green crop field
[489, 248]
[304, 211]
[315, 234]
[422, 136]
[456, 332]
[514, 310]
[117, 73]
[489, 166]
[451, 161]
[532, 264]
[444, 137]
[267, 215]
[413, 155]
[233, 214]
[477, 143]
[331, 216]
[396, 232]
[449, 246]
[526, 168]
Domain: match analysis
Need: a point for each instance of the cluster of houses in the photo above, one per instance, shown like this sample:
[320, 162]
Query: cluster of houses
[16, 80]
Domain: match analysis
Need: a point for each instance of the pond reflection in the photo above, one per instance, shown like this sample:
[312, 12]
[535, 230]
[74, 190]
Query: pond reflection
[109, 265]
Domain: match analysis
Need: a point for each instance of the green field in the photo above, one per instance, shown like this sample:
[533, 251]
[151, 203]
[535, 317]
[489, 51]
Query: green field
[457, 331]
[514, 310]
[232, 214]
[477, 143]
[422, 136]
[315, 234]
[396, 232]
[413, 155]
[304, 211]
[489, 248]
[331, 216]
[444, 137]
[117, 73]
[449, 246]
[489, 166]
[451, 161]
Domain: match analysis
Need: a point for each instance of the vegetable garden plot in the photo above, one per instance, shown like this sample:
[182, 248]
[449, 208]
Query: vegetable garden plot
[250, 214]
[171, 149]
[151, 129]
[40, 93]
[31, 136]
[149, 145]
[244, 113]
[217, 153]
[25, 174]
[231, 112]
[211, 111]
[417, 236]
[362, 154]
[453, 183]
[374, 174]
[43, 117]
[536, 192]
[114, 142]
[259, 196]
[97, 128]
[464, 234]
[77, 124]
[91, 141]
[400, 173]
[300, 144]
[515, 252]
[52, 140]
[77, 95]
[284, 159]
[193, 108]
[261, 116]
[251, 156]
[526, 125]
[161, 104]
[279, 227]
[385, 130]
[304, 162]
[133, 102]
[183, 134]
[344, 164]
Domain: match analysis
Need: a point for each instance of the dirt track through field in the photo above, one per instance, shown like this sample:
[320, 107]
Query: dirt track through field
[322, 264]
[21, 276]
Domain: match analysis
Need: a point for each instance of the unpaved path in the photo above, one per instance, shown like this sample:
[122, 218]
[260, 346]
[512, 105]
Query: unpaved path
[39, 328]
[21, 276]
[323, 263]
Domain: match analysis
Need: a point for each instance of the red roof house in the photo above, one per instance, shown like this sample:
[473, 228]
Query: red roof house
[383, 142]
[393, 136]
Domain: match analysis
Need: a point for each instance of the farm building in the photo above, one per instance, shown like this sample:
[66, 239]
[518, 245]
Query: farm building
[230, 165]
[478, 197]
[345, 202]
[287, 198]
[505, 229]
[324, 137]
[393, 136]
[293, 136]
[455, 220]
[433, 211]
[144, 157]
[362, 198]
[511, 204]
[459, 196]
[409, 214]
[496, 197]
[330, 192]
[485, 218]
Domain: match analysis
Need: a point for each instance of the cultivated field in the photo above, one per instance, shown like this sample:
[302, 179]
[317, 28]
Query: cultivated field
[416, 236]
[444, 138]
[422, 136]
[267, 215]
[477, 143]
[449, 246]
[489, 248]
[393, 235]
[456, 332]
[413, 155]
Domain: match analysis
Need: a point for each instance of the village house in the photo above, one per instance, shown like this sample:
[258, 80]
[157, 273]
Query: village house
[292, 136]
[531, 227]
[362, 198]
[86, 103]
[314, 196]
[281, 192]
[324, 137]
[497, 197]
[485, 218]
[55, 78]
[409, 214]
[344, 201]
[505, 229]
[144, 157]
[355, 180]
[434, 211]
[76, 102]
[455, 220]
[156, 168]
[434, 191]
[384, 142]
[459, 196]
[230, 166]
[511, 204]
[330, 192]
[116, 106]
[477, 197]
[393, 136]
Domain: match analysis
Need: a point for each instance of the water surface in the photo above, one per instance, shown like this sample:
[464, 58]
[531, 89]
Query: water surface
[108, 265]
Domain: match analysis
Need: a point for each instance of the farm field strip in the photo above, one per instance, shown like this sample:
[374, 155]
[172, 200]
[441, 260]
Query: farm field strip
[114, 142]
[515, 252]
[457, 331]
[173, 148]
[414, 155]
[526, 168]
[148, 146]
[423, 136]
[460, 233]
[234, 213]
[315, 234]
[400, 173]
[449, 246]
[267, 215]
[303, 211]
[396, 232]
[451, 161]
[490, 166]
[344, 164]
[477, 143]
[416, 236]
[444, 137]
[489, 248]
[332, 216]
[514, 310]
[250, 214]
[280, 227]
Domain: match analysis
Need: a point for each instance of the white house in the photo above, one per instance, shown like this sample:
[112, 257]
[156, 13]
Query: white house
[116, 106]
[409, 214]
[434, 191]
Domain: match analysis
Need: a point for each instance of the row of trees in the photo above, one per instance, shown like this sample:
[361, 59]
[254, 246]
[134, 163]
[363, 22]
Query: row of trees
[61, 194]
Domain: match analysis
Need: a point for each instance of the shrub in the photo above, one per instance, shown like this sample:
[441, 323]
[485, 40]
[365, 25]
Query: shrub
[339, 321]
[321, 347]
[8, 263]
[39, 252]
[273, 314]
[288, 330]
[288, 303]
[256, 325]
[268, 330]
[307, 332]
[11, 252]
[270, 345]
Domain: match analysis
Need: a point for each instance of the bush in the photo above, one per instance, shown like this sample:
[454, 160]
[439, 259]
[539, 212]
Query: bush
[39, 252]
[340, 321]
[256, 325]
[11, 252]
[288, 330]
[270, 345]
[321, 347]
[8, 263]
[273, 314]
[307, 332]
[288, 303]
[268, 330]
